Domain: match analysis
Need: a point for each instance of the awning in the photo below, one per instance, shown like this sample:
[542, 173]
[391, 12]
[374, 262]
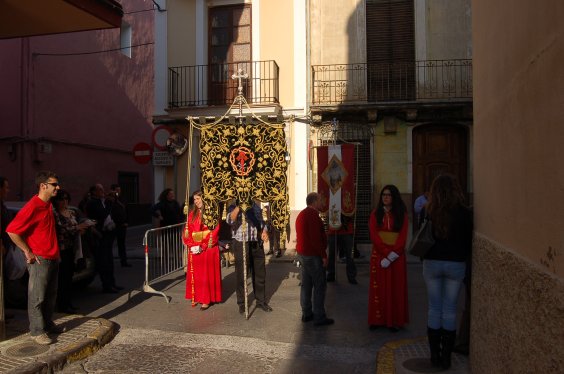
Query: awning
[20, 18]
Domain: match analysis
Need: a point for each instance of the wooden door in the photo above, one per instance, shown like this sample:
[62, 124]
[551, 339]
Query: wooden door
[439, 149]
[229, 47]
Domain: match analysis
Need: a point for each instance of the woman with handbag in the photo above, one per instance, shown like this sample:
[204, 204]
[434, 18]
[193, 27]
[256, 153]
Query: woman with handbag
[388, 224]
[203, 277]
[444, 264]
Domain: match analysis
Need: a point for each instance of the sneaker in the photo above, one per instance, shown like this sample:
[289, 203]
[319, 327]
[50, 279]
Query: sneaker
[42, 339]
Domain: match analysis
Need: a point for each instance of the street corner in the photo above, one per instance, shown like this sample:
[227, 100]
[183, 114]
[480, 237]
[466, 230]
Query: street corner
[83, 336]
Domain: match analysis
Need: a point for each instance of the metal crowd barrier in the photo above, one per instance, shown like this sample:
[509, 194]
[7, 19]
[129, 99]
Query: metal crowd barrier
[165, 253]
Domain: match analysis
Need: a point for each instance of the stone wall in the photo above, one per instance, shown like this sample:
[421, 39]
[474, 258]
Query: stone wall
[517, 313]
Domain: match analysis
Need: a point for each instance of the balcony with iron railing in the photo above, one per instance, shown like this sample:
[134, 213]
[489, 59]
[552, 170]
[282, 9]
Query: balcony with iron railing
[207, 85]
[428, 80]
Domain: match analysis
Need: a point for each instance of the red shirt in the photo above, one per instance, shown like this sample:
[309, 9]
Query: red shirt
[35, 223]
[311, 237]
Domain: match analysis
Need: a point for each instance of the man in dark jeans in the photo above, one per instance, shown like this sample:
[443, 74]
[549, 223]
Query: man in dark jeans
[33, 231]
[255, 230]
[311, 245]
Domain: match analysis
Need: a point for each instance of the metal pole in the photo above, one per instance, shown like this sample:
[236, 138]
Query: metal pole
[244, 232]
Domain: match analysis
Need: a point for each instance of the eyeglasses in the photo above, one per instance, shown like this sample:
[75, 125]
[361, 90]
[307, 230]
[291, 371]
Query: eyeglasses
[386, 194]
[55, 185]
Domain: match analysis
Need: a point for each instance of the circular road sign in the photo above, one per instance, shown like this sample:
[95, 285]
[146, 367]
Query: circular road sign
[160, 136]
[142, 153]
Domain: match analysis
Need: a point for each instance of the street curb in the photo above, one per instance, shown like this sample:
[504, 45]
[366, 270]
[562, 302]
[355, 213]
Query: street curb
[90, 344]
[77, 349]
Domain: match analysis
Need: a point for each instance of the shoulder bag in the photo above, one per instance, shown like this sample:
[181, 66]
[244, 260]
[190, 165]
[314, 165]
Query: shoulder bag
[423, 240]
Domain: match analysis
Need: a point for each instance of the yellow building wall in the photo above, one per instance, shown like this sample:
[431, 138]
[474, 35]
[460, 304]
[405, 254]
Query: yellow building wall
[277, 43]
[390, 157]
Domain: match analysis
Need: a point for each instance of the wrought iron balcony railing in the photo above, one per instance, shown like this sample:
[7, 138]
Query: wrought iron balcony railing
[396, 81]
[202, 85]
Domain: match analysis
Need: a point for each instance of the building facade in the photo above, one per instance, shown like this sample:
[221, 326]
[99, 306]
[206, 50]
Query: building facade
[76, 104]
[518, 257]
[200, 44]
[395, 75]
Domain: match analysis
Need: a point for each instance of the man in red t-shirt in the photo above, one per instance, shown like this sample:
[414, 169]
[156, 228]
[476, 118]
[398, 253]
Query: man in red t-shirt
[33, 231]
[311, 245]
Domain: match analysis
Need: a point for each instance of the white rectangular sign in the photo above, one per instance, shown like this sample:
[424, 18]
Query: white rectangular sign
[162, 158]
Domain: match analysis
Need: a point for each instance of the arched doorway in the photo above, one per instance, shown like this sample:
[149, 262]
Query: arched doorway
[439, 149]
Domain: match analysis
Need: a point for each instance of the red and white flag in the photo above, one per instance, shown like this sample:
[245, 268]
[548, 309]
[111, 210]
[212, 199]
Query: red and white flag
[335, 182]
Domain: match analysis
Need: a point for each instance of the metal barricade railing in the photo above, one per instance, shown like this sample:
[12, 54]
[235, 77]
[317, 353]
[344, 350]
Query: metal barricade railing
[165, 253]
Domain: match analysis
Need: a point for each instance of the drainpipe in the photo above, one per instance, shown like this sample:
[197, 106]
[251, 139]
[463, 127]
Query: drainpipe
[308, 80]
[24, 111]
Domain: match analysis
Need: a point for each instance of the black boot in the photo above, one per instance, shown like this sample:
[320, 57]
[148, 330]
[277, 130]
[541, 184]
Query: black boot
[434, 336]
[447, 344]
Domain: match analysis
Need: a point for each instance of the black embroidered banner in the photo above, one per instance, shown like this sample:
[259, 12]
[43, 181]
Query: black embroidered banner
[245, 163]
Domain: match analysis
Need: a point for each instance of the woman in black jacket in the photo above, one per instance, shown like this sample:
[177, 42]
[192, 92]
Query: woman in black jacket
[444, 264]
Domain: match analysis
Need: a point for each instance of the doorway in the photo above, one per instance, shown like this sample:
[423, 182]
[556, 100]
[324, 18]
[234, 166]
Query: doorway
[439, 149]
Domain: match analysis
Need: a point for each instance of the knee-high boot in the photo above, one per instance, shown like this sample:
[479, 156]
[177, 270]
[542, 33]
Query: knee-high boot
[434, 336]
[447, 344]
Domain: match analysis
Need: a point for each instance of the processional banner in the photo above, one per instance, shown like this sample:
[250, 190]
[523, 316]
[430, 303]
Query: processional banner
[336, 182]
[244, 162]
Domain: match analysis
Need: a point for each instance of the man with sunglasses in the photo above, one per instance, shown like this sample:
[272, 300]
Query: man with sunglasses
[33, 231]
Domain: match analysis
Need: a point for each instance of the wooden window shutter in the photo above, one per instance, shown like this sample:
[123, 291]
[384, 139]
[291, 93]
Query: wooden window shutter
[390, 39]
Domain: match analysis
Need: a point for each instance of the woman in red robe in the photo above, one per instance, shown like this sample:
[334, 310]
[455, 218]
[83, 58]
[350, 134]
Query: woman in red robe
[203, 277]
[387, 303]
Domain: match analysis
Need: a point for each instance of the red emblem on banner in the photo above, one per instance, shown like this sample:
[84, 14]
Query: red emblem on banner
[242, 160]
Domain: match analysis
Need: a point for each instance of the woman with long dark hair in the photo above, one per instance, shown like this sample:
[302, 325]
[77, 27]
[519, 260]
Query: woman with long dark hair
[203, 275]
[444, 264]
[388, 223]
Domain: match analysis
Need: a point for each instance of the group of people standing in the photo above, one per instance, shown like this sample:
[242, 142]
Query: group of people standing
[444, 265]
[53, 238]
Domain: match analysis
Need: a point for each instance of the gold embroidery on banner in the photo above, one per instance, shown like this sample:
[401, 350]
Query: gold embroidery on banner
[245, 163]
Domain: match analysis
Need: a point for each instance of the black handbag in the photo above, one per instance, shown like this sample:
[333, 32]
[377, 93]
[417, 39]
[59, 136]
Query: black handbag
[423, 240]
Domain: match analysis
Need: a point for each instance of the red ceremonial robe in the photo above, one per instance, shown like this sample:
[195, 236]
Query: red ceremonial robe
[203, 275]
[387, 303]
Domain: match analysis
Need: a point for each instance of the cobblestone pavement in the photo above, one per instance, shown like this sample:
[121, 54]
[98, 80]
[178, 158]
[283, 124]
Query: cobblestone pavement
[173, 352]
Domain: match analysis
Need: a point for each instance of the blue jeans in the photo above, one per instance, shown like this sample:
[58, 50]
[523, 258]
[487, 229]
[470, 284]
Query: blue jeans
[314, 284]
[443, 279]
[336, 242]
[42, 294]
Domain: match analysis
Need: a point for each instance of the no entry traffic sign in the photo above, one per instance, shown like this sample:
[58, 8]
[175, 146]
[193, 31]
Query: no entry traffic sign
[142, 153]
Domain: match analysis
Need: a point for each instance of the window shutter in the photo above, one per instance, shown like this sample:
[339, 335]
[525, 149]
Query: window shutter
[390, 38]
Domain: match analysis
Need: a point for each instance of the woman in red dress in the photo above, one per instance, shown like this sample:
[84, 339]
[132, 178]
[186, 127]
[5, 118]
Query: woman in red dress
[203, 278]
[387, 303]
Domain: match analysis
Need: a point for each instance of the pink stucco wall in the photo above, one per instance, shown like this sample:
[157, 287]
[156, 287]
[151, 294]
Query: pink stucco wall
[91, 108]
